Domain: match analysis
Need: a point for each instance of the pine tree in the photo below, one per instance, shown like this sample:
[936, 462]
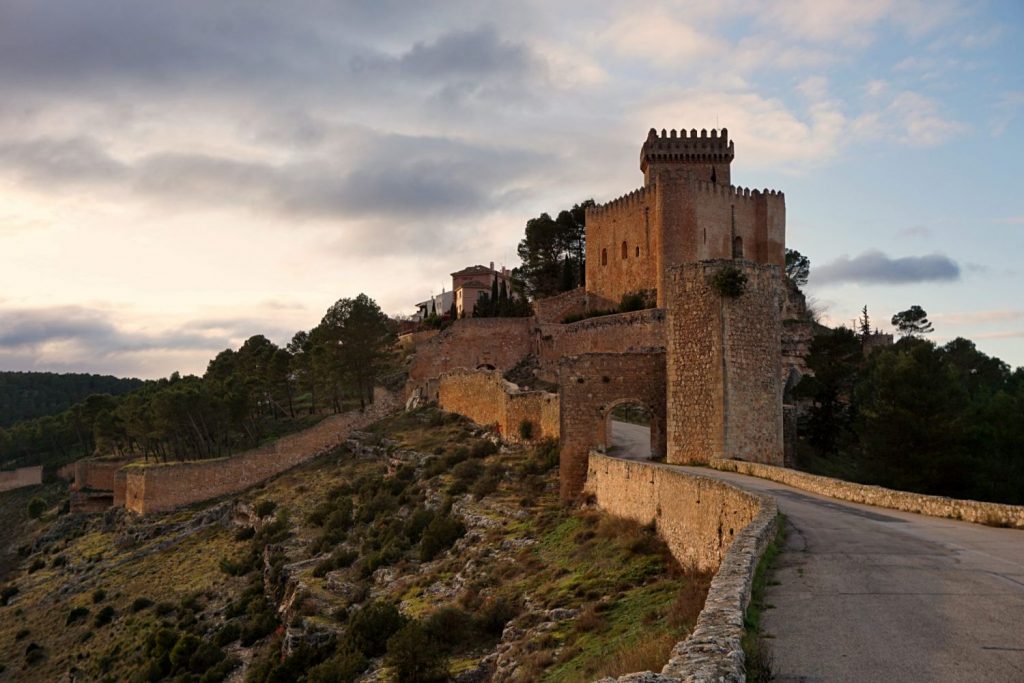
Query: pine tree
[864, 324]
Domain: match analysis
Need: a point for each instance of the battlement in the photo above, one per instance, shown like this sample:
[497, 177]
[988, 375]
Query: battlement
[672, 147]
[734, 190]
[634, 198]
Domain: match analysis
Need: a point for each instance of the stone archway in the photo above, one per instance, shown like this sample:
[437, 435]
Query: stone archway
[590, 387]
[627, 429]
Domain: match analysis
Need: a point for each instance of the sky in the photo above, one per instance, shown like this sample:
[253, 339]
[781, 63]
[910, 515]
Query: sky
[178, 176]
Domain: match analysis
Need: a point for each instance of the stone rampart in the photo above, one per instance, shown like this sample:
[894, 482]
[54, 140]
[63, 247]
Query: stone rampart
[23, 476]
[554, 309]
[618, 333]
[706, 524]
[472, 343]
[96, 475]
[487, 399]
[162, 487]
[410, 340]
[995, 514]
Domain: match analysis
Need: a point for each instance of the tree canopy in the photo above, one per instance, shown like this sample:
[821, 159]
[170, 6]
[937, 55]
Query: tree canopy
[553, 252]
[912, 322]
[798, 267]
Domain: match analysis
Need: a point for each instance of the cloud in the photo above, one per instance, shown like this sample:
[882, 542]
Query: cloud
[910, 119]
[661, 38]
[915, 231]
[979, 317]
[874, 267]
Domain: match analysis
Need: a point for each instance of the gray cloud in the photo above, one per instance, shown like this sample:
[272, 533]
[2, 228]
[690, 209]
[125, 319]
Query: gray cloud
[875, 267]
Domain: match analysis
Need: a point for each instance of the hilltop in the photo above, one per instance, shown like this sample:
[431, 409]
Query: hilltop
[28, 395]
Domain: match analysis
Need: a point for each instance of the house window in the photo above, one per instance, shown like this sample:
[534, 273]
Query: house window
[604, 257]
[625, 250]
[737, 247]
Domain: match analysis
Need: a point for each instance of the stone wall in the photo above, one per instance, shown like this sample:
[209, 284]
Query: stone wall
[158, 488]
[589, 388]
[23, 476]
[554, 309]
[707, 524]
[723, 374]
[410, 340]
[96, 475]
[995, 514]
[634, 331]
[496, 343]
[487, 399]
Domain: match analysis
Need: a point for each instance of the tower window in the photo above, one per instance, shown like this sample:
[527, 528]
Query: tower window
[737, 247]
[638, 252]
[604, 257]
[625, 250]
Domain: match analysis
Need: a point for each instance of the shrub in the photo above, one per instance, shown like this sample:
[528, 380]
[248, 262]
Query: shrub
[258, 627]
[104, 616]
[182, 651]
[412, 658]
[6, 593]
[495, 613]
[220, 672]
[466, 472]
[372, 625]
[227, 634]
[76, 614]
[59, 561]
[36, 507]
[440, 535]
[450, 627]
[245, 533]
[36, 565]
[526, 430]
[98, 596]
[34, 654]
[483, 448]
[163, 609]
[22, 634]
[265, 508]
[346, 665]
[139, 604]
[205, 657]
[730, 282]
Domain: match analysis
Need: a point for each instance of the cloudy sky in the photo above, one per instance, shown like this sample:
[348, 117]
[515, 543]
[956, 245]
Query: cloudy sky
[177, 176]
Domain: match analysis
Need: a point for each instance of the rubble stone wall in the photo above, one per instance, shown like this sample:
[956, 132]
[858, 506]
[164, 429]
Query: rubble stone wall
[496, 343]
[633, 331]
[23, 476]
[487, 399]
[554, 309]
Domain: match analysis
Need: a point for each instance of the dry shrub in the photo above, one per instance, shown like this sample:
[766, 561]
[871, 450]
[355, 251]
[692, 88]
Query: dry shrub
[647, 654]
[690, 600]
[589, 620]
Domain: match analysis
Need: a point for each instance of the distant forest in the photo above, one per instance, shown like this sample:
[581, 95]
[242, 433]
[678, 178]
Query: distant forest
[27, 395]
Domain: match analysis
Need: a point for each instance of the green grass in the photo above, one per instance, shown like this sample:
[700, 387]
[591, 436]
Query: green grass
[756, 650]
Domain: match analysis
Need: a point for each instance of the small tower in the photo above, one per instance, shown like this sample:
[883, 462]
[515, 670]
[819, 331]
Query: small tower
[707, 157]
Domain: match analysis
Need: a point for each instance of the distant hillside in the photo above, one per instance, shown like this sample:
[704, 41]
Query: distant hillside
[26, 395]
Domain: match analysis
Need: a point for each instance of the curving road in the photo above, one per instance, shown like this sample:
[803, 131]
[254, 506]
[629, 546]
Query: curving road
[869, 594]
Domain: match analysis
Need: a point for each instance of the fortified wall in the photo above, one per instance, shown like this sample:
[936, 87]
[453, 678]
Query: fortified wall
[555, 309]
[23, 476]
[491, 343]
[486, 398]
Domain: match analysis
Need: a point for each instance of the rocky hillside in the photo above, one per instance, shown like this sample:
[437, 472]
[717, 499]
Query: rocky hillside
[422, 550]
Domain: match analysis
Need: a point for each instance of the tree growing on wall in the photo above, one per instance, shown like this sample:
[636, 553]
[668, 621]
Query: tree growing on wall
[913, 322]
[798, 267]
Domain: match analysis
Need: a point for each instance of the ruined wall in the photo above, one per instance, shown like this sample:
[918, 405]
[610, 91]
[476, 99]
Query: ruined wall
[410, 340]
[589, 387]
[724, 386]
[629, 219]
[554, 309]
[634, 331]
[706, 523]
[23, 476]
[97, 475]
[157, 488]
[471, 343]
[487, 399]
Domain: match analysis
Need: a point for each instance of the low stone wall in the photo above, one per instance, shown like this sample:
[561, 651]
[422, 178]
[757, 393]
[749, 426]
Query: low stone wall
[158, 488]
[23, 476]
[486, 398]
[708, 524]
[994, 514]
[554, 309]
[634, 331]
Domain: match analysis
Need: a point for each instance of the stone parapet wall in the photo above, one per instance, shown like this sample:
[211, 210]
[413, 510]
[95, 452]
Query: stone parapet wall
[158, 488]
[705, 523]
[473, 343]
[21, 477]
[995, 514]
[633, 331]
[487, 399]
[554, 309]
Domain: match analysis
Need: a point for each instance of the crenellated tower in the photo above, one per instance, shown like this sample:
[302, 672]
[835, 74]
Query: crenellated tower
[706, 157]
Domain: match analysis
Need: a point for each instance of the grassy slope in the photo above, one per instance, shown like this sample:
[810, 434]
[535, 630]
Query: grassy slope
[630, 600]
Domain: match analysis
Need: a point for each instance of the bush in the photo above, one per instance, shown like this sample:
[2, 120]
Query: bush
[182, 651]
[345, 666]
[6, 593]
[36, 565]
[265, 508]
[245, 533]
[59, 561]
[526, 430]
[36, 507]
[139, 604]
[76, 614]
[104, 616]
[544, 457]
[439, 535]
[34, 654]
[258, 627]
[483, 448]
[495, 614]
[163, 609]
[730, 282]
[465, 473]
[412, 658]
[22, 634]
[221, 671]
[450, 627]
[98, 596]
[227, 634]
[372, 625]
[205, 657]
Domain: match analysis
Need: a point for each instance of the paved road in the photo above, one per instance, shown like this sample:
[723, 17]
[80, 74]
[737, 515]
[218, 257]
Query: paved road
[871, 594]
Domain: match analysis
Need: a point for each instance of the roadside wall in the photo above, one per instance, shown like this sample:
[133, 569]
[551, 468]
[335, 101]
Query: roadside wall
[707, 524]
[157, 488]
[472, 343]
[487, 399]
[633, 331]
[995, 514]
[23, 476]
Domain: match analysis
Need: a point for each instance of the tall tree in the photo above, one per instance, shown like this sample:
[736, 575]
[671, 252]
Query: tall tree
[361, 334]
[798, 267]
[912, 322]
[864, 324]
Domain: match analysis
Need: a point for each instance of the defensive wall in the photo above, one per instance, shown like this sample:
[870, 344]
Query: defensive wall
[706, 524]
[23, 476]
[162, 487]
[555, 309]
[994, 514]
[494, 343]
[623, 247]
[410, 340]
[589, 388]
[487, 399]
[723, 369]
[618, 333]
[96, 474]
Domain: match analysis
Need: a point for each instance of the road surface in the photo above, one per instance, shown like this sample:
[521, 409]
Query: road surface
[869, 594]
